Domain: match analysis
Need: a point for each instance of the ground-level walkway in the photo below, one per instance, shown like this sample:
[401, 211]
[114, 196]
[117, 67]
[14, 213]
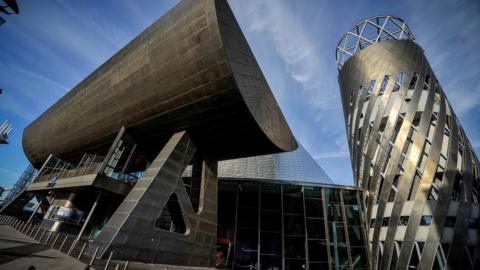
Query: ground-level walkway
[20, 252]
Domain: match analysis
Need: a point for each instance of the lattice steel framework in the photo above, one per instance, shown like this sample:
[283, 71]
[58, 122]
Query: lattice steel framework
[371, 31]
[25, 179]
[411, 156]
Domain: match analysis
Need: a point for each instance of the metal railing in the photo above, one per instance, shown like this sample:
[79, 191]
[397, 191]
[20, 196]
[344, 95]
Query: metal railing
[65, 243]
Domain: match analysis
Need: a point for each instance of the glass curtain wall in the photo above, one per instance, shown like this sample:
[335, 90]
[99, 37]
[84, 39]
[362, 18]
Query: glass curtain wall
[273, 225]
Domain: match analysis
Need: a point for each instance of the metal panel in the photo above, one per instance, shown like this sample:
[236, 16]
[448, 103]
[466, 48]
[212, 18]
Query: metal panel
[190, 70]
[390, 57]
[131, 232]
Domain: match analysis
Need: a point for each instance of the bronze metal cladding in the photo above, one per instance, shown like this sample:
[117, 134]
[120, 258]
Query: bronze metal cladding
[410, 155]
[190, 70]
[133, 232]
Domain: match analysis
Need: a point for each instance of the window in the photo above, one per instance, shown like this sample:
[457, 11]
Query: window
[426, 85]
[450, 221]
[384, 84]
[426, 220]
[414, 80]
[403, 221]
[473, 223]
[370, 87]
[385, 221]
[400, 78]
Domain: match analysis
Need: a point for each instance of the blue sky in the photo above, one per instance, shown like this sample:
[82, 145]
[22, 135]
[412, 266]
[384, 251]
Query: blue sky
[52, 45]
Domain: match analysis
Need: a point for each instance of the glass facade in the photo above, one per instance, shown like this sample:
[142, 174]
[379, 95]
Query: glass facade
[296, 165]
[287, 225]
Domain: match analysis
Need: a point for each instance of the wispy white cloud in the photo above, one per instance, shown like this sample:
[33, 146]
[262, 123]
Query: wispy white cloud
[296, 46]
[98, 24]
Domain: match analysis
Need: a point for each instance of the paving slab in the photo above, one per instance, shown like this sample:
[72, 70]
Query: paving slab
[20, 252]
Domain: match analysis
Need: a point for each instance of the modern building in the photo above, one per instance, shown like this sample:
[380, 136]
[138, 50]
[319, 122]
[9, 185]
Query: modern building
[186, 94]
[266, 224]
[409, 152]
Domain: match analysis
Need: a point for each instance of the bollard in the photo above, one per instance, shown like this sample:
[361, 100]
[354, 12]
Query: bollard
[93, 257]
[41, 236]
[55, 240]
[81, 251]
[108, 260]
[48, 238]
[28, 228]
[14, 223]
[63, 243]
[38, 230]
[31, 232]
[72, 246]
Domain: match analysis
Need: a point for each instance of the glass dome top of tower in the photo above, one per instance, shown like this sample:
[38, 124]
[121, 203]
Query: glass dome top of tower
[368, 32]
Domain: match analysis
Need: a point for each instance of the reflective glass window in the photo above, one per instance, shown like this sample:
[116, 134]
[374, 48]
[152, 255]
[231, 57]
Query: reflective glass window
[339, 255]
[294, 225]
[317, 251]
[336, 232]
[359, 257]
[356, 236]
[316, 228]
[314, 208]
[350, 197]
[352, 212]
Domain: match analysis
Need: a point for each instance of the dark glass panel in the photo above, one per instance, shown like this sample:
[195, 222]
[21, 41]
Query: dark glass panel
[271, 197]
[247, 218]
[355, 234]
[316, 228]
[473, 223]
[294, 247]
[317, 251]
[403, 221]
[450, 221]
[293, 204]
[359, 257]
[269, 262]
[385, 221]
[248, 197]
[339, 255]
[352, 212]
[293, 225]
[226, 209]
[313, 192]
[332, 195]
[313, 208]
[292, 189]
[294, 264]
[350, 197]
[319, 266]
[413, 259]
[336, 232]
[334, 212]
[270, 243]
[271, 221]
